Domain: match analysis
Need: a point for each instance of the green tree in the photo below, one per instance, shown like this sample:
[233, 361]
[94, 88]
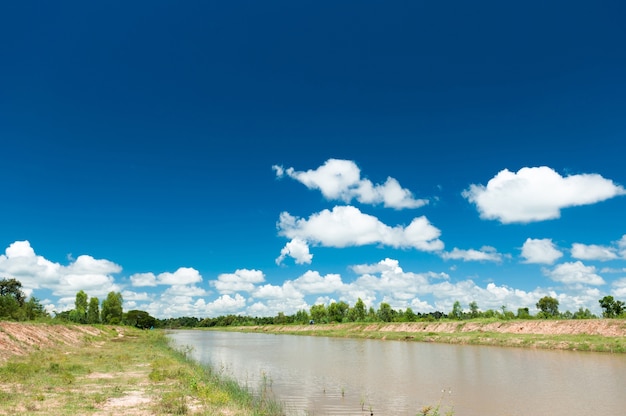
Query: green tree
[612, 308]
[457, 311]
[33, 309]
[112, 308]
[337, 311]
[548, 306]
[93, 311]
[13, 288]
[11, 299]
[409, 315]
[318, 313]
[523, 313]
[385, 313]
[139, 319]
[357, 313]
[474, 311]
[79, 314]
[302, 317]
[583, 314]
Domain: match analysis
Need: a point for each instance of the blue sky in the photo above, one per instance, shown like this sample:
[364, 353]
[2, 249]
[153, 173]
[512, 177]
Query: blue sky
[207, 158]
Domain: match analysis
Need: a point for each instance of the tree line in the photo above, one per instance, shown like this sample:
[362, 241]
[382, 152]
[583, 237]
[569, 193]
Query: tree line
[336, 312]
[14, 306]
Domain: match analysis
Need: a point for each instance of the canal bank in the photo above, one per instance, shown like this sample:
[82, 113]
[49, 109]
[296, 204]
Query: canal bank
[599, 335]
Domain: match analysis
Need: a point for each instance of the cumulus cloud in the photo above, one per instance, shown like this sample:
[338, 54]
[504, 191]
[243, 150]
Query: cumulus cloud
[182, 276]
[593, 252]
[226, 305]
[243, 280]
[537, 194]
[486, 253]
[341, 180]
[94, 276]
[575, 273]
[298, 249]
[313, 282]
[346, 226]
[540, 251]
[621, 244]
[619, 288]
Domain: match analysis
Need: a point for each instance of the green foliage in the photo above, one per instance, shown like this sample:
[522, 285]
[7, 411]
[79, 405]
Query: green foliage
[319, 313]
[112, 308]
[385, 313]
[357, 313]
[12, 288]
[139, 319]
[13, 304]
[612, 308]
[337, 311]
[548, 306]
[93, 311]
[474, 311]
[457, 311]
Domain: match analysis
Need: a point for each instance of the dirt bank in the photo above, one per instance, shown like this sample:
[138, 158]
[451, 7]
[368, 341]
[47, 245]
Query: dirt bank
[601, 335]
[601, 327]
[21, 338]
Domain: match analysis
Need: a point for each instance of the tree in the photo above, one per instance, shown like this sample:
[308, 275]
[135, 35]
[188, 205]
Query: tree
[409, 315]
[357, 313]
[93, 311]
[318, 313]
[12, 288]
[612, 308]
[112, 308]
[523, 313]
[474, 311]
[385, 313]
[548, 306]
[139, 319]
[33, 309]
[337, 311]
[457, 311]
[79, 314]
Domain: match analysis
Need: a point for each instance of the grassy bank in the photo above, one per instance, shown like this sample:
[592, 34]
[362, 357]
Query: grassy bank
[120, 371]
[504, 334]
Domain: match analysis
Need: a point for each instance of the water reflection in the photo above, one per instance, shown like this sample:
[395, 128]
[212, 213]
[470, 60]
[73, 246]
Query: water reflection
[334, 376]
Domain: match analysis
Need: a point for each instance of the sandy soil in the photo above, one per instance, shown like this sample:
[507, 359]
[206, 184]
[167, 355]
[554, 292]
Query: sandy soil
[603, 327]
[20, 339]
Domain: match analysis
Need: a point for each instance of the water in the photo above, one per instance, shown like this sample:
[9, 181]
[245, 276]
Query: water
[337, 376]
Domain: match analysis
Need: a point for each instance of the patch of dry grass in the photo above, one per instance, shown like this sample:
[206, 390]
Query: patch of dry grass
[120, 371]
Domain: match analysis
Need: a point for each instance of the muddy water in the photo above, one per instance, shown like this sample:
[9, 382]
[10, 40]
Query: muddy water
[333, 376]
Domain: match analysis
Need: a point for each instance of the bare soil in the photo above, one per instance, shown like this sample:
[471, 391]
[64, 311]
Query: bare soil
[601, 327]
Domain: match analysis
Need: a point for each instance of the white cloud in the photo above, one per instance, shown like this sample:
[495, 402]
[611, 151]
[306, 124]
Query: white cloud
[143, 279]
[341, 180]
[575, 273]
[347, 226]
[484, 254]
[537, 194]
[540, 251]
[94, 276]
[297, 249]
[621, 244]
[593, 252]
[225, 305]
[312, 282]
[182, 276]
[242, 280]
[619, 288]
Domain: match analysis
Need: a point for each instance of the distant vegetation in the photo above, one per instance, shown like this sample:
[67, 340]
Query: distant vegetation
[548, 308]
[14, 306]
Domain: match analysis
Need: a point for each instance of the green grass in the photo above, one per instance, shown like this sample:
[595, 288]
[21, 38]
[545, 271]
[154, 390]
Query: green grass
[108, 371]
